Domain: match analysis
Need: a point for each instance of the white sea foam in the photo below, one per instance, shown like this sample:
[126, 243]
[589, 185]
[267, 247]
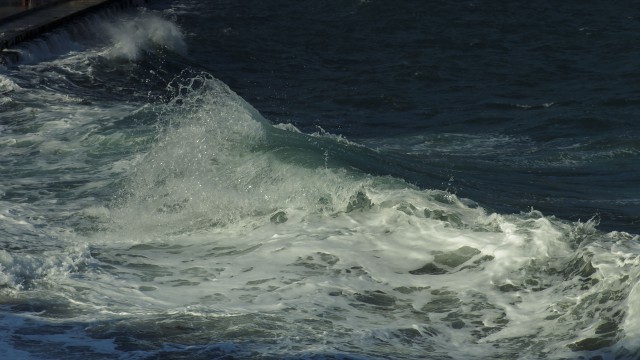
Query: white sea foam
[212, 201]
[361, 268]
[225, 230]
[7, 85]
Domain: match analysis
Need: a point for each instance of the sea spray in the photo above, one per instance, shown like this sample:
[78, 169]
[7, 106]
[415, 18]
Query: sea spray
[231, 229]
[213, 164]
[146, 221]
[132, 37]
[386, 260]
[127, 36]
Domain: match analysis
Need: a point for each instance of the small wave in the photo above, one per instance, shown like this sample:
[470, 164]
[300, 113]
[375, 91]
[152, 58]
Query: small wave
[510, 106]
[7, 85]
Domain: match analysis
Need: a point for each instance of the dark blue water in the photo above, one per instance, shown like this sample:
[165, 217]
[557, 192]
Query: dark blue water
[324, 180]
[525, 105]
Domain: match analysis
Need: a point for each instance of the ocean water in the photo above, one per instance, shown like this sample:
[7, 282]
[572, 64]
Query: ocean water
[324, 180]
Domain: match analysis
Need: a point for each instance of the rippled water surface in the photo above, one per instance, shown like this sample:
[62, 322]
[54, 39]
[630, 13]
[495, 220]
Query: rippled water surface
[324, 180]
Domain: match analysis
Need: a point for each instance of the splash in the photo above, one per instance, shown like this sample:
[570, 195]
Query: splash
[132, 37]
[358, 258]
[214, 164]
[126, 37]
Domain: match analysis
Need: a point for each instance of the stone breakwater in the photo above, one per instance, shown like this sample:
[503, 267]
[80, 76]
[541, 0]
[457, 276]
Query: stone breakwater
[23, 22]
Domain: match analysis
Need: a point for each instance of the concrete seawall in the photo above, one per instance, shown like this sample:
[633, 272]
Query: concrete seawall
[25, 22]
